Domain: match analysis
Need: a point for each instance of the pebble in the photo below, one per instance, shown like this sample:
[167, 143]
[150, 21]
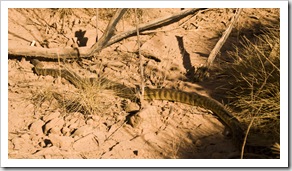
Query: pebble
[36, 127]
[51, 116]
[62, 142]
[56, 123]
[55, 130]
[132, 107]
[89, 122]
[82, 131]
[65, 131]
[86, 144]
[17, 142]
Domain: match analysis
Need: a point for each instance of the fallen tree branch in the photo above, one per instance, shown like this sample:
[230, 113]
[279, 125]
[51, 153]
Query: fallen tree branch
[202, 72]
[51, 53]
[102, 43]
[223, 39]
[108, 40]
[154, 24]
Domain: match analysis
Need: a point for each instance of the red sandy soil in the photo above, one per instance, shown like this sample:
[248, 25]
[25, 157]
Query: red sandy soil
[41, 128]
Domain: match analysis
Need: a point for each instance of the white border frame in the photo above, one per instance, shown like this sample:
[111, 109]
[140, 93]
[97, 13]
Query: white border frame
[283, 162]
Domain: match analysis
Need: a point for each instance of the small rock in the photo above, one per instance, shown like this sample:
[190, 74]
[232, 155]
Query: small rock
[87, 143]
[61, 142]
[89, 122]
[135, 120]
[96, 118]
[55, 123]
[17, 142]
[51, 116]
[55, 130]
[132, 107]
[73, 126]
[36, 127]
[65, 131]
[82, 131]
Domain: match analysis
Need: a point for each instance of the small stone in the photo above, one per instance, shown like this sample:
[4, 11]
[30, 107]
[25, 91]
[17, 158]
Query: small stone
[36, 127]
[132, 107]
[17, 142]
[135, 121]
[73, 126]
[89, 122]
[61, 142]
[86, 144]
[55, 130]
[65, 131]
[56, 123]
[82, 131]
[96, 118]
[51, 116]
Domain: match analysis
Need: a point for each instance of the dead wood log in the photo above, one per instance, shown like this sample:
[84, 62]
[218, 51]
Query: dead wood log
[51, 53]
[105, 41]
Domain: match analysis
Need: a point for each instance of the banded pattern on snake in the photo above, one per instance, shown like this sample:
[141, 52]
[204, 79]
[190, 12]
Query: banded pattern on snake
[193, 99]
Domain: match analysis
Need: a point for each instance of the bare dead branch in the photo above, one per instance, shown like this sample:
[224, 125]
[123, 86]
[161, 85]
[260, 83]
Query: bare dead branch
[223, 39]
[140, 57]
[108, 33]
[105, 41]
[51, 53]
[154, 24]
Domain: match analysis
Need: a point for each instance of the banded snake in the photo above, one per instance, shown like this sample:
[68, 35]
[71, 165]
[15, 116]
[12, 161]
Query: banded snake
[194, 99]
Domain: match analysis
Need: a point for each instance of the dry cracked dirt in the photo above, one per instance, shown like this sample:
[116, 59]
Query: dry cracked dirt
[93, 124]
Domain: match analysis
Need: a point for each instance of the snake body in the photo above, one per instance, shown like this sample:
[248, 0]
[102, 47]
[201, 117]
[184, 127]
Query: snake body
[193, 99]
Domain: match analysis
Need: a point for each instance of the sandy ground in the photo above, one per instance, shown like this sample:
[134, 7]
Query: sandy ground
[42, 127]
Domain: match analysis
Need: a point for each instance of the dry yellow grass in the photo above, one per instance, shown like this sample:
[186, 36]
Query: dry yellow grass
[254, 82]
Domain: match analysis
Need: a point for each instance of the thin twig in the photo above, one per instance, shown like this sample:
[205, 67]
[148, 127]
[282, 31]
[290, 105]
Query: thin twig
[247, 132]
[115, 130]
[245, 138]
[223, 39]
[140, 57]
[96, 20]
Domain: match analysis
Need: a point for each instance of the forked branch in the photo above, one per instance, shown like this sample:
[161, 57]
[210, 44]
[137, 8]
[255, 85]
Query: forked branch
[106, 40]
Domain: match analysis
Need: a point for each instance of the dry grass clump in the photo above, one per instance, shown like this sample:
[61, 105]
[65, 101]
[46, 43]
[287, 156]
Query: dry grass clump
[254, 82]
[92, 99]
